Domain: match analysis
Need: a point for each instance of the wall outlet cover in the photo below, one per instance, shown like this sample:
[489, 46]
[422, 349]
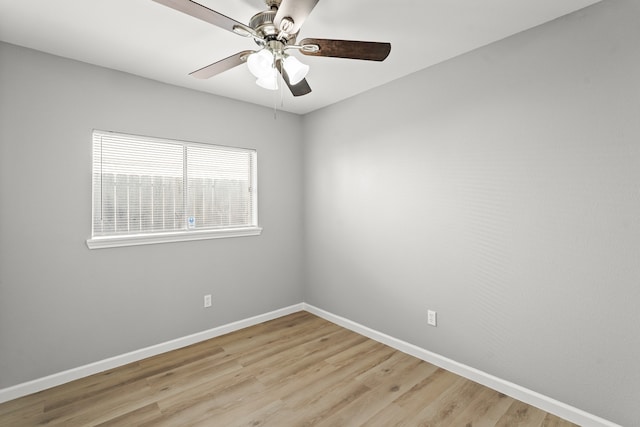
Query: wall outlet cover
[432, 318]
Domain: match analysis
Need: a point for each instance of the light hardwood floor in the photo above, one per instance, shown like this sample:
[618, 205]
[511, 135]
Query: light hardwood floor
[298, 370]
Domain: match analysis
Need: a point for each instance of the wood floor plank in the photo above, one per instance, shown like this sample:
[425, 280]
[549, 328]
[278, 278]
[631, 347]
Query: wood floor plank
[485, 410]
[387, 381]
[394, 369]
[93, 385]
[554, 421]
[279, 344]
[22, 412]
[391, 415]
[273, 340]
[220, 387]
[277, 328]
[361, 349]
[298, 370]
[334, 381]
[260, 417]
[212, 405]
[446, 407]
[102, 407]
[319, 406]
[276, 368]
[35, 399]
[298, 348]
[427, 390]
[520, 414]
[315, 377]
[146, 414]
[179, 380]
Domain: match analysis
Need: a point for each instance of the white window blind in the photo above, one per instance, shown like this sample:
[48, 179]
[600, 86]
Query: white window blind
[148, 190]
[218, 187]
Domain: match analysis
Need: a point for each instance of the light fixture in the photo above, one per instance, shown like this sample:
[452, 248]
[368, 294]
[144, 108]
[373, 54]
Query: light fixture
[296, 70]
[269, 80]
[260, 63]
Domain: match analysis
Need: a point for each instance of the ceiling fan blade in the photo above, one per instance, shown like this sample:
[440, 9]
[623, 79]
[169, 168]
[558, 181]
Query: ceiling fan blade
[202, 12]
[222, 65]
[297, 10]
[300, 88]
[351, 49]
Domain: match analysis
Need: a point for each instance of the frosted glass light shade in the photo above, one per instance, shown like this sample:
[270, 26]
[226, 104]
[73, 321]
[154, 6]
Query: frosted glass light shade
[296, 70]
[260, 63]
[269, 81]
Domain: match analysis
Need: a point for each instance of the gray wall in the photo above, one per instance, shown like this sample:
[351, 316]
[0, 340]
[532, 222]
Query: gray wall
[499, 188]
[63, 305]
[502, 189]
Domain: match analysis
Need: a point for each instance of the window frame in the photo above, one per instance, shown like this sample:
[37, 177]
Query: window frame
[182, 235]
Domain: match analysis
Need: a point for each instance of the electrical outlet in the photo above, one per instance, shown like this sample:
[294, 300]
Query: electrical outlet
[432, 318]
[207, 300]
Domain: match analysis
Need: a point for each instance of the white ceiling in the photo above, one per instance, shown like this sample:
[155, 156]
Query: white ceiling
[151, 40]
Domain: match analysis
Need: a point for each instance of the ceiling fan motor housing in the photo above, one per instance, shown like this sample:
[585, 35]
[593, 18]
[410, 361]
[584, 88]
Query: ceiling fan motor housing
[262, 23]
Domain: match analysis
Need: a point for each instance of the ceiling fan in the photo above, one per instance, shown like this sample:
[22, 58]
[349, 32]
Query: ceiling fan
[275, 31]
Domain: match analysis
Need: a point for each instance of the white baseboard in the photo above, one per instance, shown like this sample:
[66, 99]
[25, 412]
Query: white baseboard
[44, 383]
[530, 397]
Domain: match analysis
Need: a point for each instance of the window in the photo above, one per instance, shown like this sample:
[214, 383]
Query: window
[151, 190]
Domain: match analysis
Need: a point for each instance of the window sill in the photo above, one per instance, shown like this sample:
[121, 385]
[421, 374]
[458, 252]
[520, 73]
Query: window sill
[150, 239]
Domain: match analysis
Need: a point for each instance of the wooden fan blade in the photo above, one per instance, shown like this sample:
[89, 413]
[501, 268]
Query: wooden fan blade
[300, 88]
[297, 10]
[222, 65]
[202, 12]
[351, 49]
